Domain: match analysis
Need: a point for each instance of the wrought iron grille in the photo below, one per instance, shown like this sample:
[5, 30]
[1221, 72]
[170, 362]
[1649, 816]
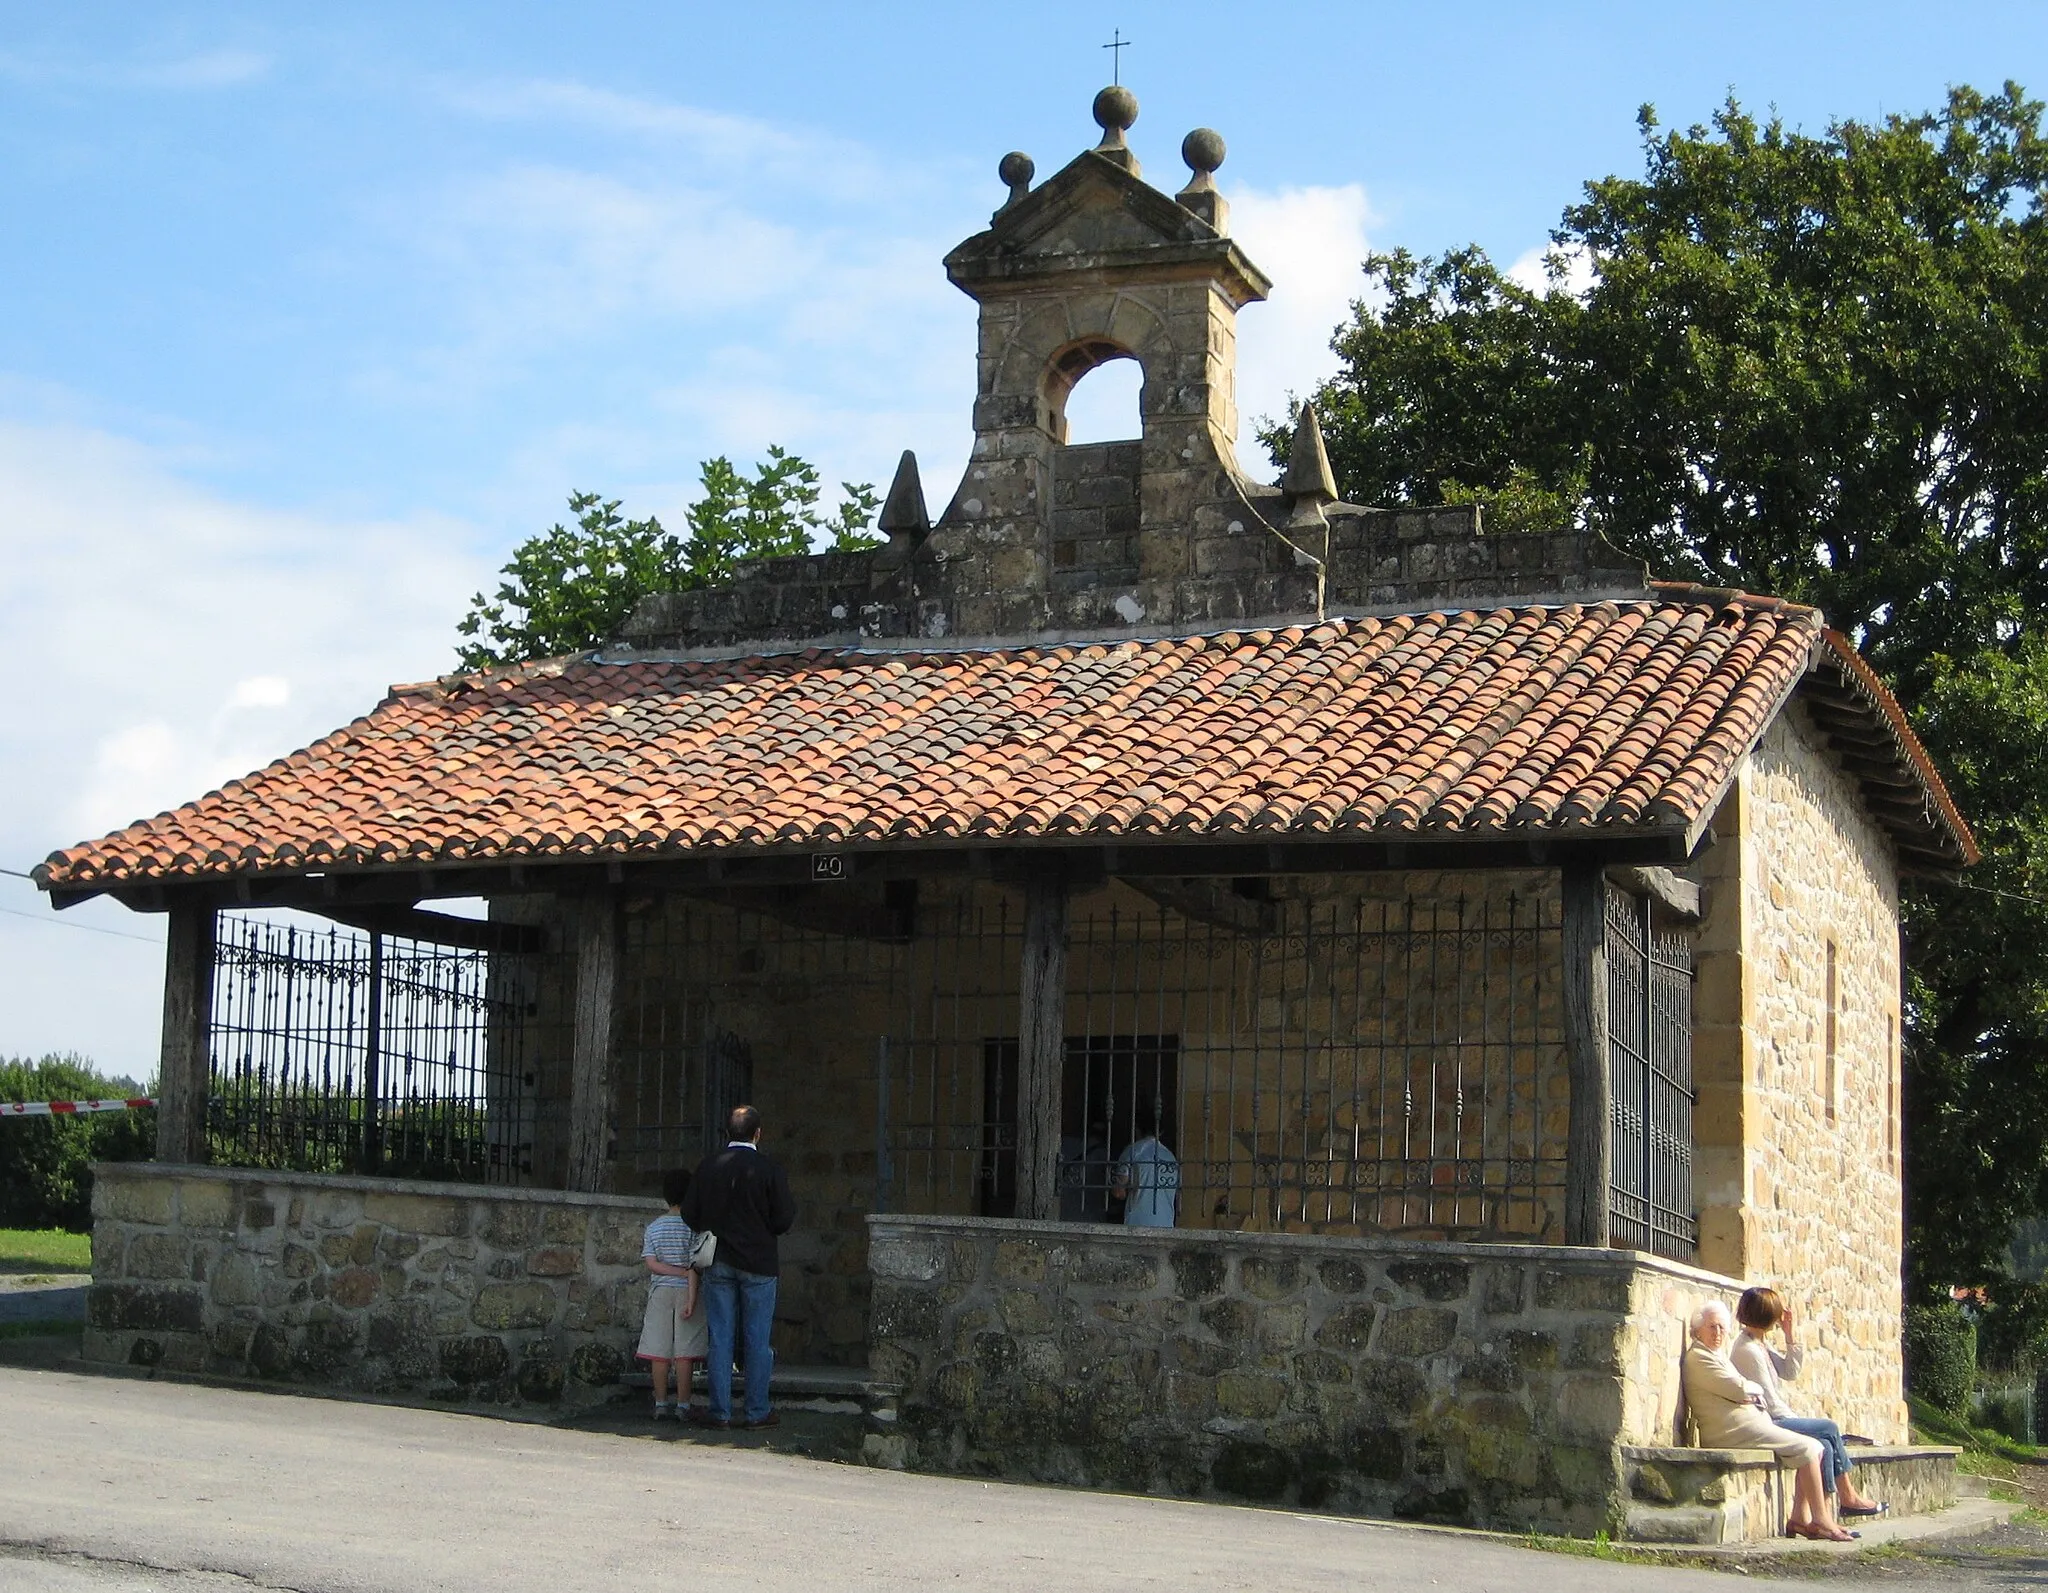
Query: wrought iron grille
[335, 1050]
[1348, 1064]
[1649, 1017]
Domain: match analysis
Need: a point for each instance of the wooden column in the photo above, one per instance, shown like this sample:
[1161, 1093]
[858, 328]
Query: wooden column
[1589, 1152]
[1041, 1047]
[597, 933]
[182, 1065]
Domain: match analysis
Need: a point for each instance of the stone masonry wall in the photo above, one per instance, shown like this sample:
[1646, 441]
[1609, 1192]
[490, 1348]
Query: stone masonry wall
[1283, 1109]
[1485, 1384]
[373, 1286]
[1811, 1201]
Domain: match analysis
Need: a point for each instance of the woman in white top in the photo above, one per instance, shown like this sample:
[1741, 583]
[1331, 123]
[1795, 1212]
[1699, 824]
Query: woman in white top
[1758, 1312]
[1727, 1412]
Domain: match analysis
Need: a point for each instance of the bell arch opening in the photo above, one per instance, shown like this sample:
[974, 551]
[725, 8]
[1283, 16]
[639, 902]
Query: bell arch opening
[1094, 392]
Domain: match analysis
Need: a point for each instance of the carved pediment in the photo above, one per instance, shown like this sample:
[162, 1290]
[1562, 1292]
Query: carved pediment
[1094, 215]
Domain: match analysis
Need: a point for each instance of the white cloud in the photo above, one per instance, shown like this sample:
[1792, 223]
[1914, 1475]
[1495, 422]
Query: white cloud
[715, 140]
[209, 69]
[150, 599]
[261, 691]
[1311, 242]
[212, 69]
[733, 325]
[1532, 269]
[165, 640]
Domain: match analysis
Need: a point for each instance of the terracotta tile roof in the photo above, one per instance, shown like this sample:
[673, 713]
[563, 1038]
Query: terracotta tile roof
[1620, 717]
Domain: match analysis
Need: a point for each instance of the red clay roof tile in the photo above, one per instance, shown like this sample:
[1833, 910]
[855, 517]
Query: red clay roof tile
[1534, 720]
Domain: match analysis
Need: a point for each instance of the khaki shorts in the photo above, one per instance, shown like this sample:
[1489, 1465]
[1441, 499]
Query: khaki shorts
[666, 1334]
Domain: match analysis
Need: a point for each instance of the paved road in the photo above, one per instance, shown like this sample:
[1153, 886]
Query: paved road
[50, 1299]
[111, 1485]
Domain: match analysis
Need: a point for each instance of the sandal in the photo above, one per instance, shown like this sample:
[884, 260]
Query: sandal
[1806, 1529]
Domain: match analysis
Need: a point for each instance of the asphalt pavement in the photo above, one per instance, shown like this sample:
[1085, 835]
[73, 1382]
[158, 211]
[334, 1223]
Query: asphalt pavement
[118, 1485]
[47, 1298]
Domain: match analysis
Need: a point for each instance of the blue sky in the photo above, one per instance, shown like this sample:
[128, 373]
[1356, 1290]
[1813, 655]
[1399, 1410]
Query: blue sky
[308, 321]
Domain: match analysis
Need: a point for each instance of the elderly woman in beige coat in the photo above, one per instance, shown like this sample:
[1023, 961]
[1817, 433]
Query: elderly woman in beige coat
[1727, 1409]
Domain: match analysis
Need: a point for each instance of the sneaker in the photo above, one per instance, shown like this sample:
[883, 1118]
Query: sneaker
[665, 1411]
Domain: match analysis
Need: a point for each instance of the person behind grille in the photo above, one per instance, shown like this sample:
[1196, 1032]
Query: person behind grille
[1727, 1410]
[1757, 1312]
[1147, 1176]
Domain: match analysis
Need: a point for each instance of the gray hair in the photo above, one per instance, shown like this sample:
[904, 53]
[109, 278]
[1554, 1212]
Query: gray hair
[1712, 1311]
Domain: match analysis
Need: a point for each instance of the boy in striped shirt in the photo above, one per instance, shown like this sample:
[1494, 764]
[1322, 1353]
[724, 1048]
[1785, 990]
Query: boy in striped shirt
[672, 1332]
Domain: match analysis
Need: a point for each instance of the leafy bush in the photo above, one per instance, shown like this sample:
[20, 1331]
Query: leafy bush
[1941, 1355]
[46, 1162]
[2012, 1329]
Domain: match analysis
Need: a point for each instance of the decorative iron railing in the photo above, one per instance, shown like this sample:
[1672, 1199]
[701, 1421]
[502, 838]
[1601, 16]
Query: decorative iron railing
[1343, 1064]
[337, 1050]
[1649, 1020]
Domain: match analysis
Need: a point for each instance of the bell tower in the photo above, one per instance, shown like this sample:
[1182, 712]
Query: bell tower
[1094, 265]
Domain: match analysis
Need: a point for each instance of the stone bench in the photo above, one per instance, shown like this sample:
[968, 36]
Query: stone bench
[1678, 1494]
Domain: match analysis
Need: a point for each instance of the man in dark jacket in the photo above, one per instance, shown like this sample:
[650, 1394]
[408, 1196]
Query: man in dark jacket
[742, 1197]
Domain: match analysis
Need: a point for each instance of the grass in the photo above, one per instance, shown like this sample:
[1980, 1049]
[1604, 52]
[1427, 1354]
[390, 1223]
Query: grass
[1602, 1547]
[51, 1250]
[1984, 1453]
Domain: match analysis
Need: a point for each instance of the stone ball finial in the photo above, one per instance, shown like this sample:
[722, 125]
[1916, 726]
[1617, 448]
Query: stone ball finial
[1017, 169]
[1202, 149]
[1116, 108]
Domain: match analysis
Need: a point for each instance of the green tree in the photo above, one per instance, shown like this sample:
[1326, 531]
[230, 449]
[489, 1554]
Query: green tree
[572, 588]
[46, 1162]
[1811, 365]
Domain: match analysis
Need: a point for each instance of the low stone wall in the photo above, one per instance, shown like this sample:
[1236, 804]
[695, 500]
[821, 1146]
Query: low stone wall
[1709, 1496]
[367, 1285]
[1488, 1384]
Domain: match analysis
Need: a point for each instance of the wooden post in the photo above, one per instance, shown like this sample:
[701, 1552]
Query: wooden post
[373, 1060]
[1041, 1046]
[597, 934]
[1589, 1152]
[182, 1066]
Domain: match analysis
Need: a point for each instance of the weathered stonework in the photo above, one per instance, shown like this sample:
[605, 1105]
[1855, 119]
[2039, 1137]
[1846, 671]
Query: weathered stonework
[811, 1017]
[1487, 1384]
[1797, 1168]
[374, 1286]
[1710, 1496]
[1163, 531]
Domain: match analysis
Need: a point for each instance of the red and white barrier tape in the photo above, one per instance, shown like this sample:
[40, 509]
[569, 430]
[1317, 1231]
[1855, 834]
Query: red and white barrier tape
[64, 1108]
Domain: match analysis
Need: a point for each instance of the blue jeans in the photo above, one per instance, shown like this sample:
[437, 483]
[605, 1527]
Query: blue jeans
[749, 1296]
[1834, 1454]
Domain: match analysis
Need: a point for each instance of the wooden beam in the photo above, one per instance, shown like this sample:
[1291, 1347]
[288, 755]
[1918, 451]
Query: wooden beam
[182, 1066]
[1589, 1150]
[597, 929]
[1173, 858]
[1679, 897]
[441, 929]
[1041, 1045]
[1210, 901]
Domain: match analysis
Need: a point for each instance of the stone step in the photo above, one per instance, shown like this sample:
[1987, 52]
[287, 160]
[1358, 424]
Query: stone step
[836, 1390]
[1679, 1495]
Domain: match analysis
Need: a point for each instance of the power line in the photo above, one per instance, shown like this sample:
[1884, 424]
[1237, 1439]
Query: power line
[70, 923]
[1986, 890]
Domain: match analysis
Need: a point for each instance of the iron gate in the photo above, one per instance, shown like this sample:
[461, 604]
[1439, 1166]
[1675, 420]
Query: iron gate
[1649, 1016]
[337, 1050]
[1341, 1064]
